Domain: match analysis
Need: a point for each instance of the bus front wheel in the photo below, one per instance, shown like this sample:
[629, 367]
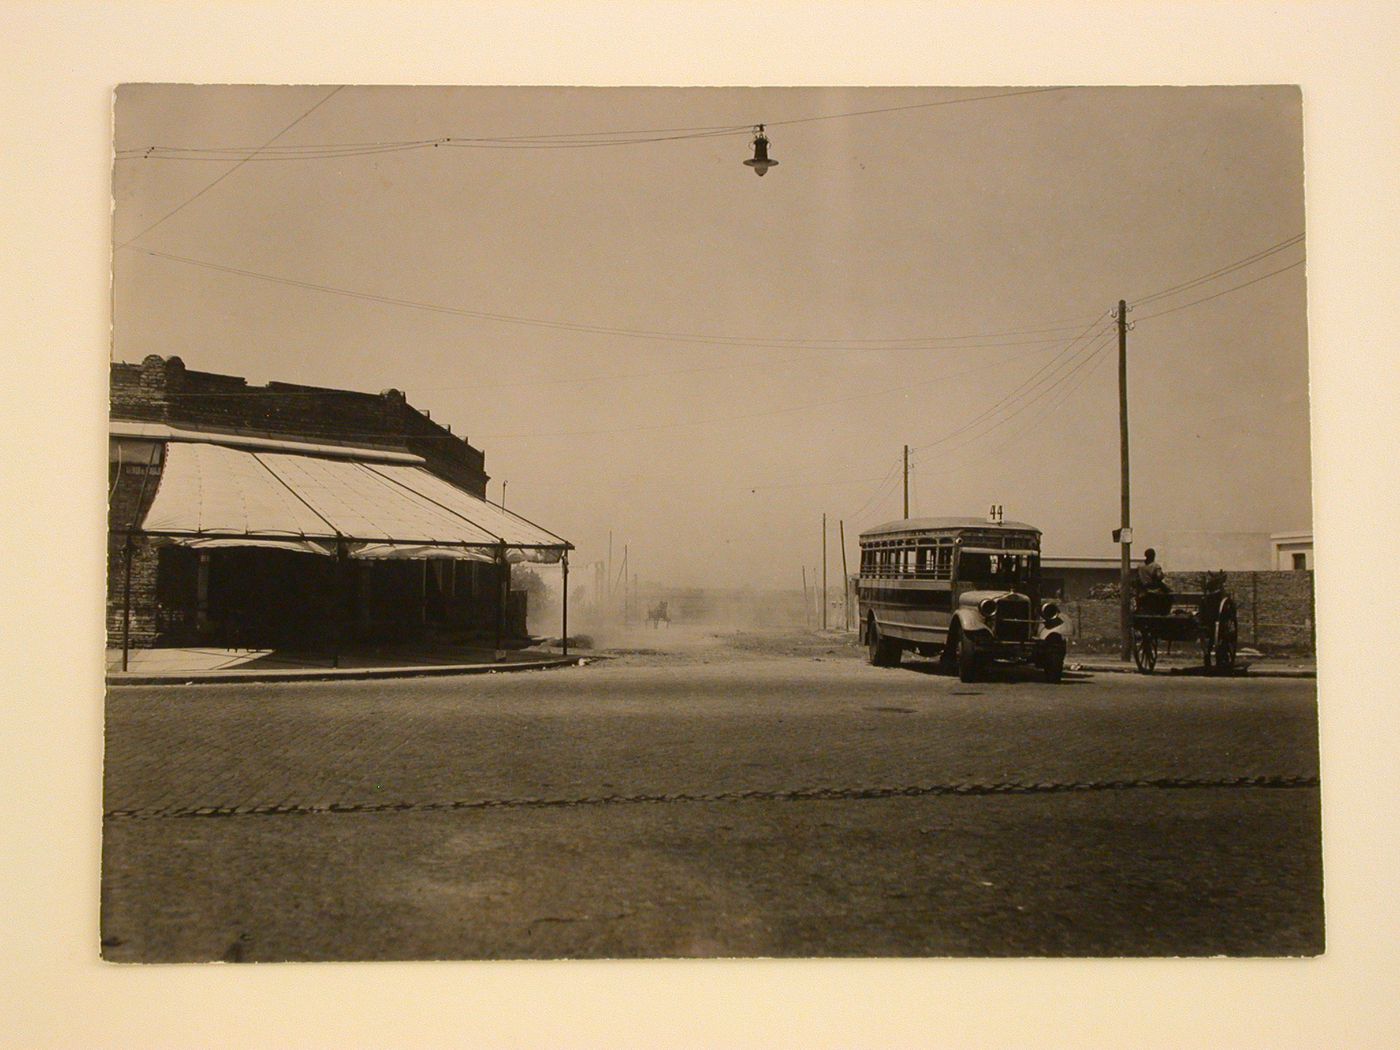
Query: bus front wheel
[882, 651]
[967, 659]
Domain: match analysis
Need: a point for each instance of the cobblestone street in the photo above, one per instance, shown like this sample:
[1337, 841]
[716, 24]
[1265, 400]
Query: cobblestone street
[727, 798]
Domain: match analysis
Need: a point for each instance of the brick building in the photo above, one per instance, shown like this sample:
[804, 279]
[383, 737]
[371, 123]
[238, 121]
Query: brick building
[297, 516]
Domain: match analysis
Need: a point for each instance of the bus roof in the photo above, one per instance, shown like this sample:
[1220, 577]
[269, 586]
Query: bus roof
[893, 528]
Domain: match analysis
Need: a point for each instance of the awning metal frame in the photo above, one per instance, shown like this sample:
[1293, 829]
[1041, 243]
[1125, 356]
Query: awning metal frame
[337, 543]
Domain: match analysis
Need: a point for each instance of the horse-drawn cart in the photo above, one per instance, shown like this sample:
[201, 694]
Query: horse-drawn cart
[1208, 619]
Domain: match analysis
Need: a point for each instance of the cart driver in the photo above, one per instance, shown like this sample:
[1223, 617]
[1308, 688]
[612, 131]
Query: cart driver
[1150, 578]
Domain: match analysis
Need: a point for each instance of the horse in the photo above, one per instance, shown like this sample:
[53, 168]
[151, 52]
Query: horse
[659, 614]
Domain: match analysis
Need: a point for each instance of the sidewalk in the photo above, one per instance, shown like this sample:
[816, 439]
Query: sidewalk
[206, 664]
[1246, 665]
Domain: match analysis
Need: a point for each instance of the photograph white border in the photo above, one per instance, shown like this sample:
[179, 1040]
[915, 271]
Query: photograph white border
[61, 62]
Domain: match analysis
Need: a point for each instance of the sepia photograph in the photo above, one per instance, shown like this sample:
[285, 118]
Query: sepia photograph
[709, 523]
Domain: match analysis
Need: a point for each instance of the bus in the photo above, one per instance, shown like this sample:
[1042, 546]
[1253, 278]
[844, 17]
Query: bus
[964, 589]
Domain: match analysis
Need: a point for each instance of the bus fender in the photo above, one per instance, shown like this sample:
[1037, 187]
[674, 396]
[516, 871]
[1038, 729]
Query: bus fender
[970, 622]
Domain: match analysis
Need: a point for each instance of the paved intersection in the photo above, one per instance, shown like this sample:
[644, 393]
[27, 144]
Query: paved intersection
[726, 801]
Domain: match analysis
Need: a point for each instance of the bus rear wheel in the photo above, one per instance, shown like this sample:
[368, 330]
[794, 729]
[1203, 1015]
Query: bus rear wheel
[948, 659]
[882, 651]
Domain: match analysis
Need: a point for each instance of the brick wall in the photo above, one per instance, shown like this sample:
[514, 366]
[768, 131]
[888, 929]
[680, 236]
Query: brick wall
[1275, 611]
[131, 487]
[163, 390]
[144, 561]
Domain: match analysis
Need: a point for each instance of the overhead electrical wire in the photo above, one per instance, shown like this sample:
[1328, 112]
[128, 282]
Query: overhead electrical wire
[1036, 379]
[1101, 342]
[885, 488]
[1015, 393]
[1092, 357]
[879, 492]
[580, 380]
[1049, 410]
[943, 378]
[778, 343]
[1227, 291]
[1027, 384]
[1088, 366]
[824, 344]
[714, 420]
[973, 439]
[564, 140]
[230, 171]
[1222, 271]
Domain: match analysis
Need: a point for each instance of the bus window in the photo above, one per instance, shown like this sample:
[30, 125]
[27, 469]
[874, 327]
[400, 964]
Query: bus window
[923, 564]
[975, 567]
[1000, 570]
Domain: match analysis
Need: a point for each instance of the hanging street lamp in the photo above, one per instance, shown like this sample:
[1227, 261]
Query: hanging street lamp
[760, 162]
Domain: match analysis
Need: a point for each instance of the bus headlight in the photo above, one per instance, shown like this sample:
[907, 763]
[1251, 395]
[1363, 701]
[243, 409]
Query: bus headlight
[987, 607]
[1049, 611]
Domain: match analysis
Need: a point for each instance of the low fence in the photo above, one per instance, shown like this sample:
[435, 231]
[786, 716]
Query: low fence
[1276, 611]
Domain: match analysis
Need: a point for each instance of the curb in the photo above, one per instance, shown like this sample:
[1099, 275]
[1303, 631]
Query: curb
[1249, 672]
[331, 674]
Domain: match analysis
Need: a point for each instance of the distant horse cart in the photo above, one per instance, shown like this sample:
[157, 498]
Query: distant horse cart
[659, 614]
[1208, 618]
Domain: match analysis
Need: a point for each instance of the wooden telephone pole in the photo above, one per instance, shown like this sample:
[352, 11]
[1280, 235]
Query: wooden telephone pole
[906, 482]
[1125, 536]
[845, 582]
[823, 572]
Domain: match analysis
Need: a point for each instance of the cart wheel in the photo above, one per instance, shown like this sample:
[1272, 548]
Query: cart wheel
[1227, 633]
[1144, 650]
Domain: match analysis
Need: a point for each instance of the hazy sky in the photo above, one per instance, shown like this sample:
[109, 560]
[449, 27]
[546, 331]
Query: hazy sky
[917, 276]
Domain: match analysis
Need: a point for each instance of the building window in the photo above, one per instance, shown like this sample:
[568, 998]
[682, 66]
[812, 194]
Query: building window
[1300, 561]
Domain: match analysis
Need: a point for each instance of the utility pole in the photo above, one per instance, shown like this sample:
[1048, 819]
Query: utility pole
[610, 572]
[806, 601]
[824, 602]
[564, 616]
[845, 581]
[906, 482]
[504, 483]
[1125, 537]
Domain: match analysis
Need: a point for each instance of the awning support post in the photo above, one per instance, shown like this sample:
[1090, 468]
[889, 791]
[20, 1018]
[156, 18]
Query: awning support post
[342, 593]
[565, 627]
[502, 597]
[126, 600]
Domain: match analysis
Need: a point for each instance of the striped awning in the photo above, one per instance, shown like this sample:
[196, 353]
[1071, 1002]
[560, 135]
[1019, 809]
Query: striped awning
[215, 495]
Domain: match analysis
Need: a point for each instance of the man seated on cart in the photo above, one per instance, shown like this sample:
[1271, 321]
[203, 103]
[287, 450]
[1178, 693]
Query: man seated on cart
[1150, 586]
